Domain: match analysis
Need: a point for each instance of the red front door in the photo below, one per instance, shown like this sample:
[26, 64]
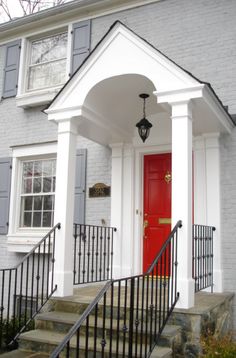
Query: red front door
[157, 206]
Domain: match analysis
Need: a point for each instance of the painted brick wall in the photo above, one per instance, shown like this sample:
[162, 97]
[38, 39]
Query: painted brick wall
[228, 212]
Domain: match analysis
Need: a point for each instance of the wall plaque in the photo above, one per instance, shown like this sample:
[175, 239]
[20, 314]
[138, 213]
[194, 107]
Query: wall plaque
[99, 190]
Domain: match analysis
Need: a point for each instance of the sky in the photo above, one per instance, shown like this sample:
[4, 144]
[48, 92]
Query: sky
[15, 9]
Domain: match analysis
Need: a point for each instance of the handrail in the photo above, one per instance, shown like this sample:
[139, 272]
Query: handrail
[178, 225]
[26, 287]
[93, 253]
[147, 305]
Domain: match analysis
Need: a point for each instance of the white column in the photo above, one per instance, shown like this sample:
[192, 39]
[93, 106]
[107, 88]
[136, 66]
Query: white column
[213, 204]
[199, 190]
[64, 206]
[182, 197]
[127, 268]
[122, 210]
[116, 205]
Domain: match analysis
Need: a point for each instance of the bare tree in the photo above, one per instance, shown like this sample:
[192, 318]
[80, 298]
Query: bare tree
[27, 6]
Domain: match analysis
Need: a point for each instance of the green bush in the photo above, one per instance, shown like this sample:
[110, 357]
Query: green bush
[221, 347]
[10, 328]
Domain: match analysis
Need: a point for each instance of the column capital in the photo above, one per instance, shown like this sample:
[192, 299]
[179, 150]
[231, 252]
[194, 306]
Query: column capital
[181, 109]
[69, 125]
[180, 94]
[212, 140]
[117, 150]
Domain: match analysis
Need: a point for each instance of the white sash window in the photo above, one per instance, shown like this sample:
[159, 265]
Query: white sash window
[38, 193]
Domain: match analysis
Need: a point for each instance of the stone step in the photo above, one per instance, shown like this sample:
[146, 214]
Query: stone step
[24, 354]
[46, 341]
[62, 321]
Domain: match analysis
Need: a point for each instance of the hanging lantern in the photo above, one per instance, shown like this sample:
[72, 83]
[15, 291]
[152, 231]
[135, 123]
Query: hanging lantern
[144, 125]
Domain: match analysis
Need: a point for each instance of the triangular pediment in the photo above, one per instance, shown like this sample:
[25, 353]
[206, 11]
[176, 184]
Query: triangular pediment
[121, 51]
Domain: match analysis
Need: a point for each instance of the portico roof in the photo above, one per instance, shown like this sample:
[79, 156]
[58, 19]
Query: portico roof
[102, 95]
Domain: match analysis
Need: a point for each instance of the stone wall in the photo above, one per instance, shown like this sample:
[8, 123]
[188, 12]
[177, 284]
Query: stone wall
[212, 314]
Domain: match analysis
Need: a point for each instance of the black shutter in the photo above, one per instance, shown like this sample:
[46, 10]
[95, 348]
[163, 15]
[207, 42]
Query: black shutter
[80, 43]
[5, 185]
[80, 182]
[11, 69]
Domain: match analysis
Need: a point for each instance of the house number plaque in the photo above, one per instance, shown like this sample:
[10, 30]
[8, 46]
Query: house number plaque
[99, 190]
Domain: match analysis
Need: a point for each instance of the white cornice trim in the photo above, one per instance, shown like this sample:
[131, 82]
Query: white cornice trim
[63, 14]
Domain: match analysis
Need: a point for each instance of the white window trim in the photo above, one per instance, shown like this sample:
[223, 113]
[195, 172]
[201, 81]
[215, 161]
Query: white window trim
[23, 239]
[30, 98]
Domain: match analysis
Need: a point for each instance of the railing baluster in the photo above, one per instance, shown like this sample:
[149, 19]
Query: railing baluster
[88, 255]
[111, 319]
[94, 253]
[95, 330]
[118, 319]
[202, 256]
[18, 286]
[137, 321]
[131, 317]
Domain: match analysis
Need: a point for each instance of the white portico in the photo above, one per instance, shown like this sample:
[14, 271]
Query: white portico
[101, 102]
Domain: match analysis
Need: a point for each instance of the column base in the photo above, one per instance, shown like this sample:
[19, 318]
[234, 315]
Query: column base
[217, 281]
[64, 282]
[119, 272]
[186, 293]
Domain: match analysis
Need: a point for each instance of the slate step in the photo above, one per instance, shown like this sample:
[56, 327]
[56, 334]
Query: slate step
[24, 354]
[46, 341]
[62, 321]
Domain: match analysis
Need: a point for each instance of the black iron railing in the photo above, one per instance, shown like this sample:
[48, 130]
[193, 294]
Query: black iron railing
[203, 256]
[128, 315]
[93, 253]
[25, 288]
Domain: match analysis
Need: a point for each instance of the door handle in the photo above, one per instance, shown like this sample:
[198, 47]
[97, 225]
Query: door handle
[145, 224]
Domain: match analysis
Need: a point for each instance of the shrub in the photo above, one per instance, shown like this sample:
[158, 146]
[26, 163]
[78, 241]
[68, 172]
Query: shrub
[221, 347]
[10, 328]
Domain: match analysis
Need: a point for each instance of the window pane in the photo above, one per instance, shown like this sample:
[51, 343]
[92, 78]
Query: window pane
[27, 219]
[47, 168]
[48, 202]
[53, 184]
[47, 217]
[37, 168]
[27, 186]
[47, 185]
[37, 185]
[27, 203]
[38, 202]
[54, 167]
[37, 219]
[28, 169]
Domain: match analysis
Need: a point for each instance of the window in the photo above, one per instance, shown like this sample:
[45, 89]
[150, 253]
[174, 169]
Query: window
[48, 58]
[38, 193]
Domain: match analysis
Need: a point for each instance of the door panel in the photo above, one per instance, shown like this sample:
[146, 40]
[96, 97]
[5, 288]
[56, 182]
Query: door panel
[157, 205]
